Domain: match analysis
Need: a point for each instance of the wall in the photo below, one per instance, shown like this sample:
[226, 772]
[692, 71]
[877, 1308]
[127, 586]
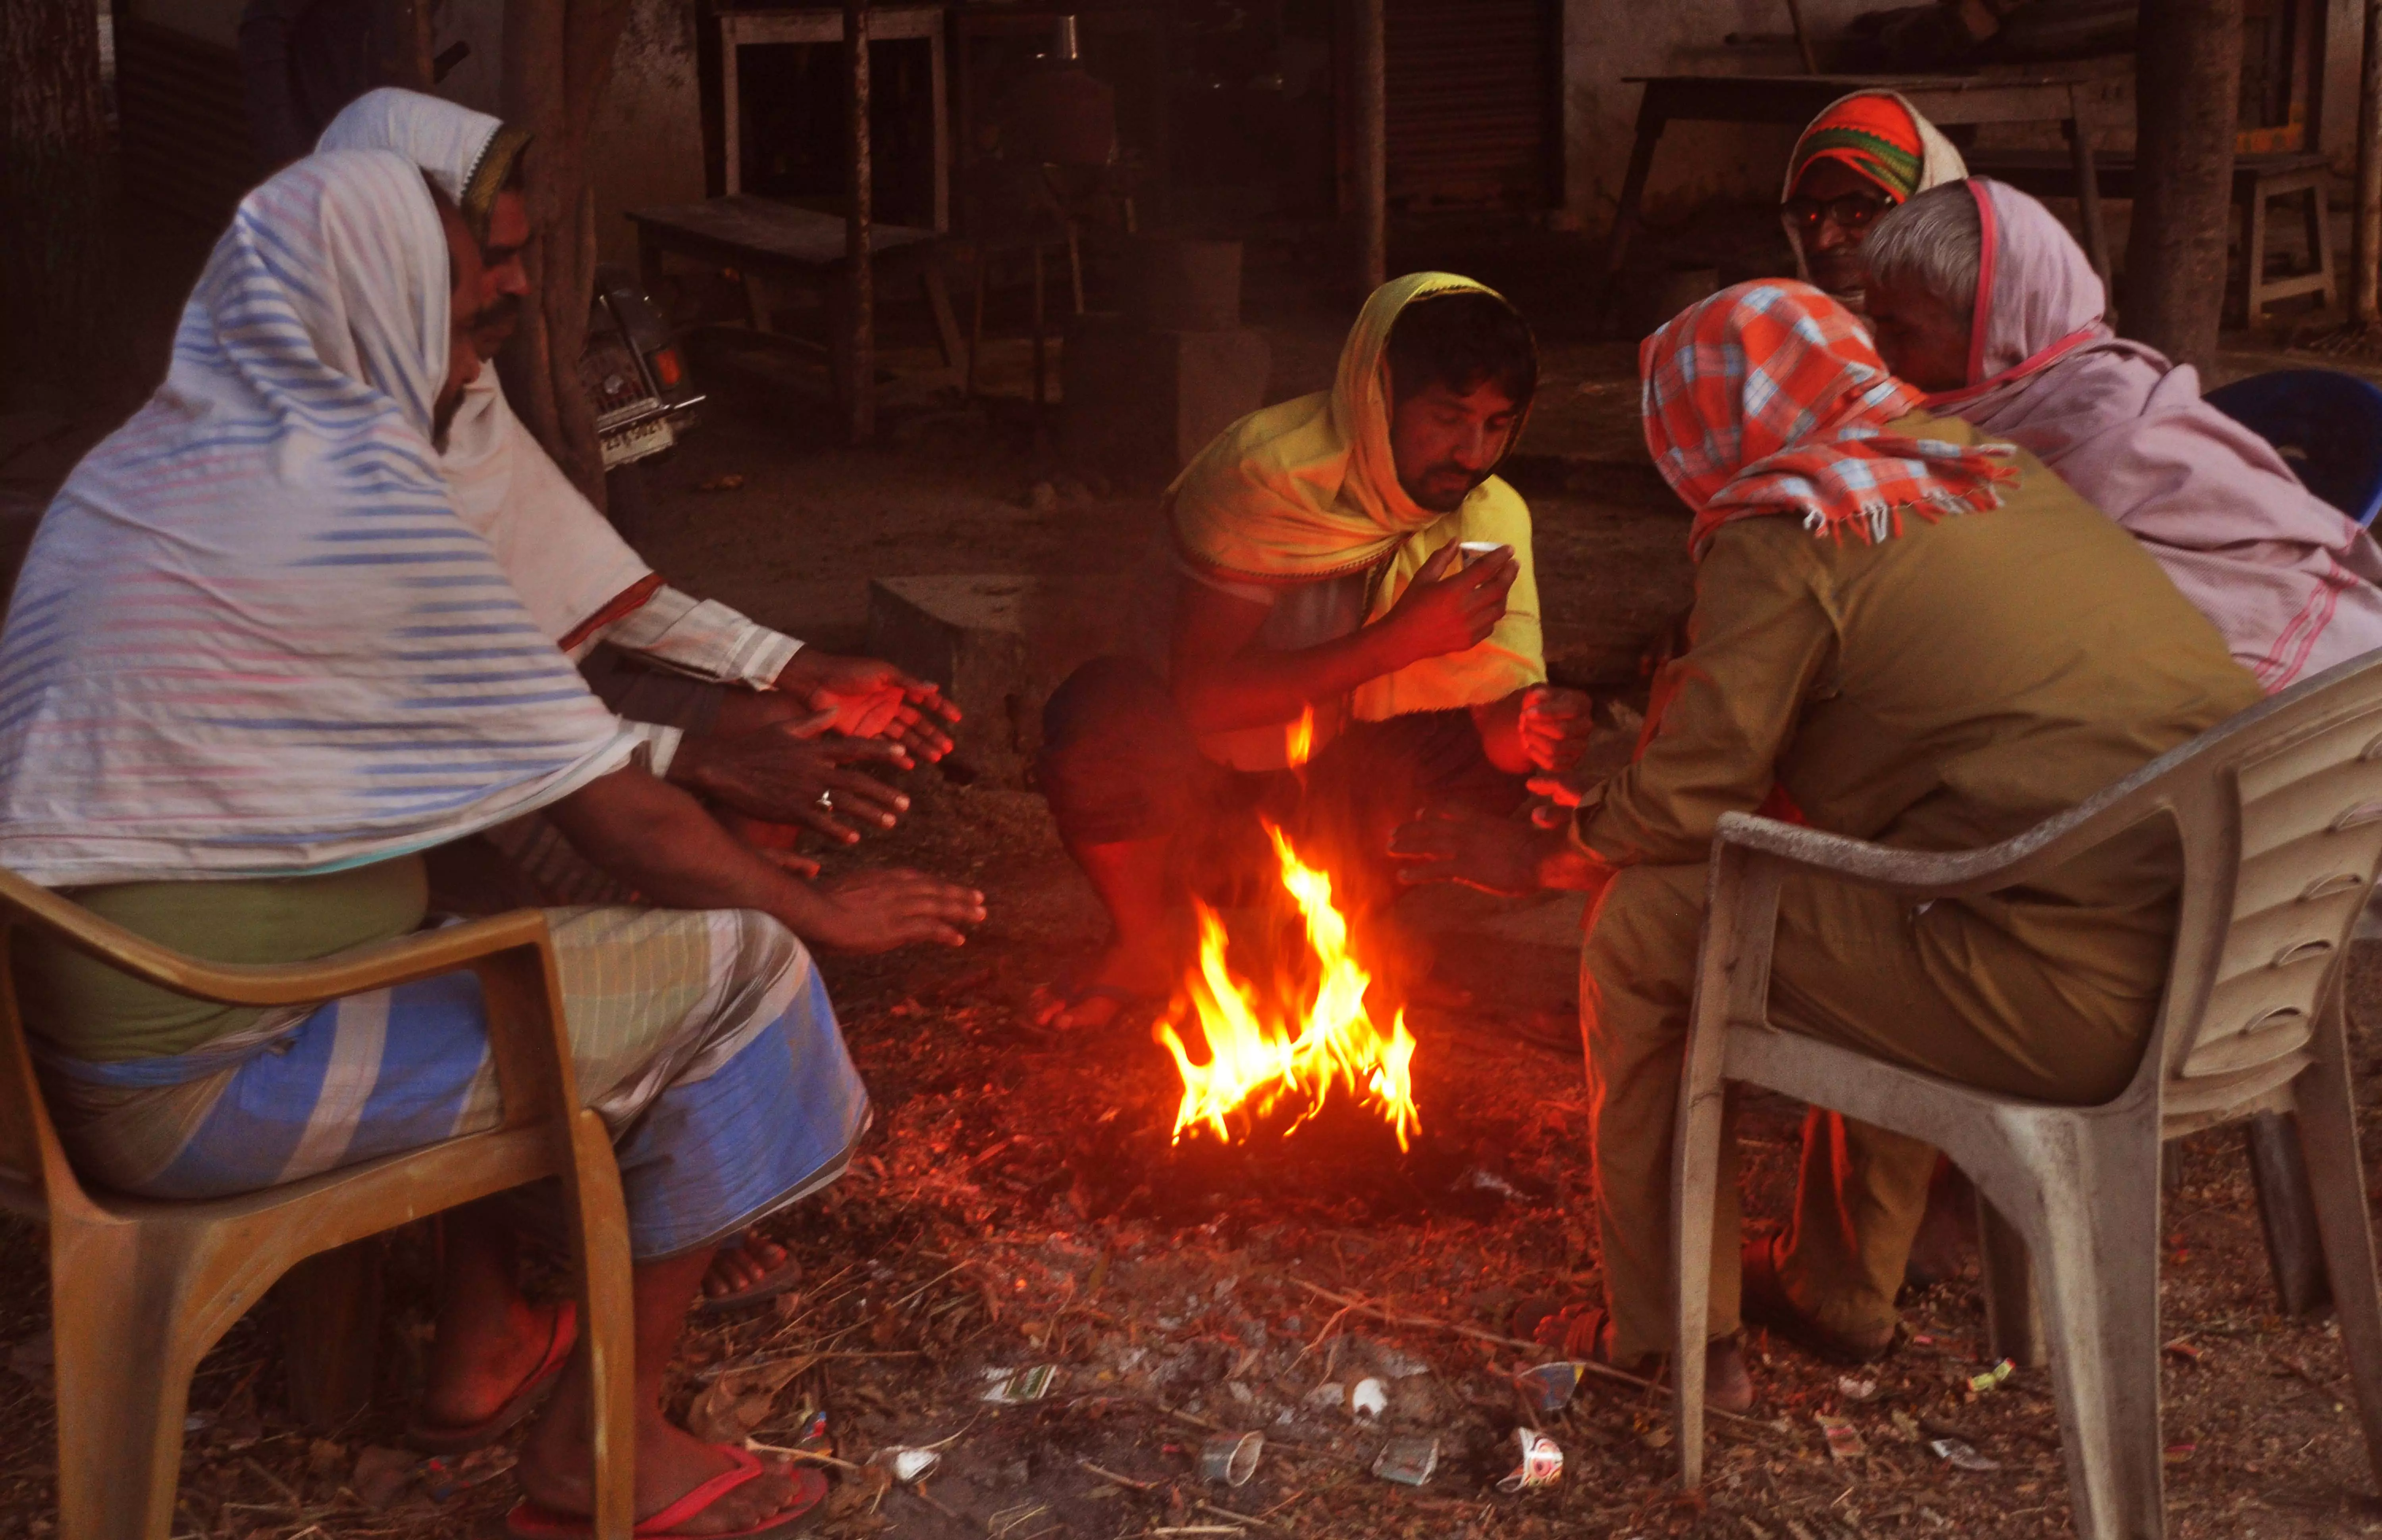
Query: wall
[647, 146]
[1606, 40]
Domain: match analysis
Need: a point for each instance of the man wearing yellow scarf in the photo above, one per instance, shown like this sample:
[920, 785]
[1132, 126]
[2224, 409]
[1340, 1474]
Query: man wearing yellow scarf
[1343, 569]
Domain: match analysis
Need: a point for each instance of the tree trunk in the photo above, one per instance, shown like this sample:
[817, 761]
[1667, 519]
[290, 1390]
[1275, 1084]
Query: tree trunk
[2188, 79]
[1372, 148]
[2365, 245]
[558, 59]
[60, 295]
[860, 298]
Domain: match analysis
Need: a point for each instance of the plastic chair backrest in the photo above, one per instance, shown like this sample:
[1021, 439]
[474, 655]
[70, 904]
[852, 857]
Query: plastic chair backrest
[2279, 812]
[2327, 423]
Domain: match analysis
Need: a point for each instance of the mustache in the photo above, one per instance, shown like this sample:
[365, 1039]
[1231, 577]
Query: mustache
[501, 312]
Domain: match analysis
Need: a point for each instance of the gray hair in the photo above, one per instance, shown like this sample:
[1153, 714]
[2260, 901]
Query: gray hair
[1936, 237]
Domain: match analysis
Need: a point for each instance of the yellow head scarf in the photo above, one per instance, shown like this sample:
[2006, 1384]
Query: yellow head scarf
[1309, 489]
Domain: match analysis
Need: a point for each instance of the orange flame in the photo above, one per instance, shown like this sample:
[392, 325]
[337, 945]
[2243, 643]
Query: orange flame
[1299, 739]
[1259, 1059]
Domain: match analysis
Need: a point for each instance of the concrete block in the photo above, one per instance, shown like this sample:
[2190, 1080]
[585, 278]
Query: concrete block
[1175, 284]
[999, 645]
[1141, 401]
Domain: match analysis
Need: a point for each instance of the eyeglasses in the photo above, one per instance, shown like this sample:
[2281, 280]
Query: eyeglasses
[1855, 211]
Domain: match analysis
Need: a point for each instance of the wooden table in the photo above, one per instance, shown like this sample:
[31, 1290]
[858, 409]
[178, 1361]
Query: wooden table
[776, 247]
[886, 24]
[1797, 99]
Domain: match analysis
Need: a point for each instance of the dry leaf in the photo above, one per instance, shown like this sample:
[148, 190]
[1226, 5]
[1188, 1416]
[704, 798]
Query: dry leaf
[382, 1475]
[860, 1494]
[740, 1400]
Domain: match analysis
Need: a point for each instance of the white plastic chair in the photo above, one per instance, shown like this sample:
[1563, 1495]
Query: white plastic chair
[2279, 814]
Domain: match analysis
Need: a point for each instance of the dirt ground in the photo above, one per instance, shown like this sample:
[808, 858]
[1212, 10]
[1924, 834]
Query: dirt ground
[1018, 1203]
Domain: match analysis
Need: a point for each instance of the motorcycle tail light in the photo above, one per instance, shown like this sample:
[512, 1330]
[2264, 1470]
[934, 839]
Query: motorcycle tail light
[667, 370]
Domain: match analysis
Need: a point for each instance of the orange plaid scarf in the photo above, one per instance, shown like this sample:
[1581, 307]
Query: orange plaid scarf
[1769, 398]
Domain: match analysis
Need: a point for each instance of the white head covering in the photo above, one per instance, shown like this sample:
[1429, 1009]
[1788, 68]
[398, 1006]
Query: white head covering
[251, 636]
[566, 561]
[469, 154]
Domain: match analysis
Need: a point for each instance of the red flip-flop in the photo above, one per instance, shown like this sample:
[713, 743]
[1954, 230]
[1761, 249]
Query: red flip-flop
[528, 1520]
[452, 1439]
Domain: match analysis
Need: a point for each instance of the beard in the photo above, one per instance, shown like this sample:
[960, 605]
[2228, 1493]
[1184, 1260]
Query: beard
[493, 325]
[442, 417]
[1442, 488]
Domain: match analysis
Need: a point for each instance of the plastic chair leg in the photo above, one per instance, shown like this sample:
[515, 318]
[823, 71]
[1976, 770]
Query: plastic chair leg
[123, 1385]
[610, 1326]
[2095, 1246]
[2013, 1321]
[2337, 1181]
[1695, 1193]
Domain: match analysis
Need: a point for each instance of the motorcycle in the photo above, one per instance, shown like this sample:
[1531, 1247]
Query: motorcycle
[637, 385]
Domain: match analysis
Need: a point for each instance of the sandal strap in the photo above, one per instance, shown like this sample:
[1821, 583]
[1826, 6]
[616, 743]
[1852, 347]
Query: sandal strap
[745, 1469]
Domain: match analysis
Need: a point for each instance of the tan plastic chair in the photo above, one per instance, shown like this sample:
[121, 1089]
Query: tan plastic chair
[2279, 811]
[140, 1289]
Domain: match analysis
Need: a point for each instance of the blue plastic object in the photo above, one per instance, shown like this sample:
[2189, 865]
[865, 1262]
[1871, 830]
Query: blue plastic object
[2327, 423]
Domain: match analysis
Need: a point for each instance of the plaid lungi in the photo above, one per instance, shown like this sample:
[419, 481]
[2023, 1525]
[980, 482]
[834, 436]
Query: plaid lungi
[704, 1039]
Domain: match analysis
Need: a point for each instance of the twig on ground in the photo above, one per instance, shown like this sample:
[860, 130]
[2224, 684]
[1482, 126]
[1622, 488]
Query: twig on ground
[1284, 1503]
[2305, 1375]
[278, 1484]
[1283, 1445]
[924, 1497]
[758, 1448]
[1601, 1371]
[1106, 1475]
[1206, 1507]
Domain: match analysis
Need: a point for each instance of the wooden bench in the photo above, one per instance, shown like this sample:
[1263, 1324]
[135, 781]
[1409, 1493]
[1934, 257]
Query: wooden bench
[2258, 181]
[777, 248]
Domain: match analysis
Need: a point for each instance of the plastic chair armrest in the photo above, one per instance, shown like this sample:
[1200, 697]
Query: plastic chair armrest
[403, 960]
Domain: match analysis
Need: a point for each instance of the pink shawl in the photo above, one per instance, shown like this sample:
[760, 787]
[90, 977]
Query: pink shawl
[2289, 579]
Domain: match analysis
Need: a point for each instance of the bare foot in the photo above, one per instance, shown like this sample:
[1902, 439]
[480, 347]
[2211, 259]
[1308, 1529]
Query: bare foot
[473, 1373]
[1099, 995]
[742, 1265]
[671, 1463]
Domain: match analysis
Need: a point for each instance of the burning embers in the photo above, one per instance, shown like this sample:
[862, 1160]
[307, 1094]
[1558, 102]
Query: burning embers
[1287, 1046]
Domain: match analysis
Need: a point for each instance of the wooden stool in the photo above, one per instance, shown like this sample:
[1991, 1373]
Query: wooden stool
[2259, 180]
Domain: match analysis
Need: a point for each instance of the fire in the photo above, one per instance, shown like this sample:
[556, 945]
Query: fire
[1298, 742]
[1269, 1049]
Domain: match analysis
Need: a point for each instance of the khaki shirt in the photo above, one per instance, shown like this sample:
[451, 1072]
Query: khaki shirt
[1941, 690]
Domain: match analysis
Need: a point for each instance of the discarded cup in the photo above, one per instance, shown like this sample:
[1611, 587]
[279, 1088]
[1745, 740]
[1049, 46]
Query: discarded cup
[1854, 1389]
[1541, 1462]
[1231, 1458]
[1962, 1455]
[908, 1465]
[1844, 1439]
[1369, 1398]
[1408, 1461]
[1017, 1386]
[1549, 1387]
